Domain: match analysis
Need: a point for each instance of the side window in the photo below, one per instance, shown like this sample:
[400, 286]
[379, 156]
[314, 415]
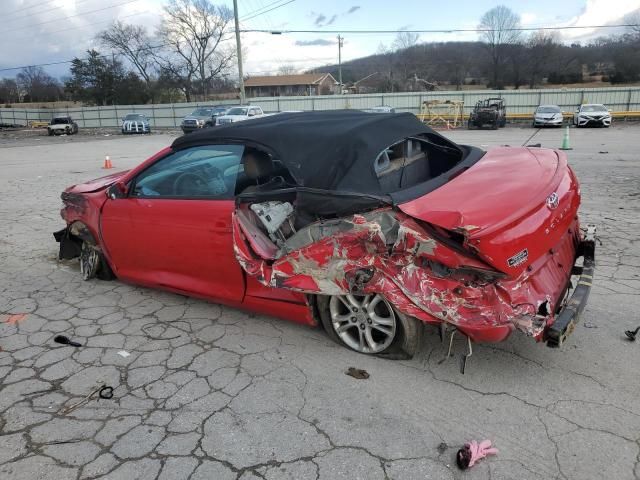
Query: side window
[208, 171]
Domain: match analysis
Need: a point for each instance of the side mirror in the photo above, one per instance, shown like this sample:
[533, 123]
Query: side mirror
[117, 190]
[250, 114]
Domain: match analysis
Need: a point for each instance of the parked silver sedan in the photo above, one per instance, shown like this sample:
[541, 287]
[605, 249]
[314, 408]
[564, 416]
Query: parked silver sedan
[547, 116]
[135, 123]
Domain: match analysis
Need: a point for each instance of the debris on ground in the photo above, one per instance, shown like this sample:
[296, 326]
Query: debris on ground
[357, 373]
[14, 319]
[61, 339]
[631, 334]
[101, 389]
[123, 353]
[603, 151]
[590, 325]
[473, 451]
[442, 447]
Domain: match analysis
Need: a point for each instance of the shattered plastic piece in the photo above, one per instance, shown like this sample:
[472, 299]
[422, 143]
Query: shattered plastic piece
[16, 318]
[123, 353]
[357, 373]
[442, 447]
[66, 341]
[473, 451]
[631, 334]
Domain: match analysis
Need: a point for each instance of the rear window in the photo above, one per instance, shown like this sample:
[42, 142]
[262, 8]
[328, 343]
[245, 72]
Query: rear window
[237, 111]
[413, 161]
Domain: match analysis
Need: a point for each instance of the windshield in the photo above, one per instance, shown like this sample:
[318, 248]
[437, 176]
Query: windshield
[202, 112]
[134, 116]
[237, 111]
[594, 108]
[548, 109]
[59, 121]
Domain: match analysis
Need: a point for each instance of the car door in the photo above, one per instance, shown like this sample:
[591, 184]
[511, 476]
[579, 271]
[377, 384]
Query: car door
[173, 227]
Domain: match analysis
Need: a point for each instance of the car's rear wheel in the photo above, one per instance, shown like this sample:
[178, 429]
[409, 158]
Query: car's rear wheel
[369, 324]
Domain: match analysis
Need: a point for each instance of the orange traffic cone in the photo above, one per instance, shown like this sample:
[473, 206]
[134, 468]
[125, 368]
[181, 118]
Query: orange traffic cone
[107, 162]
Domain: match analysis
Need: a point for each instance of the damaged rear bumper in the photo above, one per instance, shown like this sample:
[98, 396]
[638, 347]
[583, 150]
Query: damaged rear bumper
[568, 317]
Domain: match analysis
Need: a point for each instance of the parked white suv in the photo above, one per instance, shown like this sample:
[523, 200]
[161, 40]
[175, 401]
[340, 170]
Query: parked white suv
[238, 114]
[592, 114]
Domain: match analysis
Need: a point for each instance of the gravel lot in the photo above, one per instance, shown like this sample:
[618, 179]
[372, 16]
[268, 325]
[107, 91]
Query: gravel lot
[210, 392]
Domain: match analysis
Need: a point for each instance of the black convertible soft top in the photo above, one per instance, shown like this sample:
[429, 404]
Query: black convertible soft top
[327, 150]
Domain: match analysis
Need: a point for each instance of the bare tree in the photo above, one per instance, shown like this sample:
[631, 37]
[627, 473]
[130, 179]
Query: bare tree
[287, 70]
[542, 46]
[405, 40]
[498, 31]
[37, 85]
[405, 55]
[633, 19]
[9, 92]
[133, 43]
[194, 32]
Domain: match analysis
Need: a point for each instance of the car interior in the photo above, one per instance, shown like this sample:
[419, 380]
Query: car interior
[413, 161]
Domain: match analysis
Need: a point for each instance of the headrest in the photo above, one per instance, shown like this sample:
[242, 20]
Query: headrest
[257, 164]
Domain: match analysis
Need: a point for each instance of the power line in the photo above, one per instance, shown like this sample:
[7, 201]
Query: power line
[27, 15]
[256, 10]
[28, 7]
[267, 11]
[80, 27]
[449, 30]
[72, 16]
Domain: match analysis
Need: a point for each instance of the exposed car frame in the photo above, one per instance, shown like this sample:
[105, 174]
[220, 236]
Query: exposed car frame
[491, 112]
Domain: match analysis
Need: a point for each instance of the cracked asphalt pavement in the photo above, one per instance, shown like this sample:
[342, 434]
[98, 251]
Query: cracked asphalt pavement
[210, 392]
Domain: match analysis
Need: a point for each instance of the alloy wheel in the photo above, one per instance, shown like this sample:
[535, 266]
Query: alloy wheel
[367, 324]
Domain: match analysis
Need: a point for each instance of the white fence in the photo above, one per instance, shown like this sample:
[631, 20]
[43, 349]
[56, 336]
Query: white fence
[618, 99]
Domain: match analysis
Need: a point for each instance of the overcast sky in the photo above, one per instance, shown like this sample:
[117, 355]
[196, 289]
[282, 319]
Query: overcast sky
[40, 31]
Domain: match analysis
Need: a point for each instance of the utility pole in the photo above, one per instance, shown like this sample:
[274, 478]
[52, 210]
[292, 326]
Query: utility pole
[340, 40]
[239, 49]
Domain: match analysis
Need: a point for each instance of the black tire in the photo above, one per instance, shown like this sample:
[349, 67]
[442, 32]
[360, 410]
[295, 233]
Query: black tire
[50, 132]
[494, 126]
[405, 343]
[469, 125]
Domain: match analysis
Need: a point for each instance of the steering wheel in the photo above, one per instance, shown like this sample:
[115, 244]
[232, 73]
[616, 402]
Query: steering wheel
[188, 183]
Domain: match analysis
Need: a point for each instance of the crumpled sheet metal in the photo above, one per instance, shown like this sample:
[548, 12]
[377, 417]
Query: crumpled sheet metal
[418, 275]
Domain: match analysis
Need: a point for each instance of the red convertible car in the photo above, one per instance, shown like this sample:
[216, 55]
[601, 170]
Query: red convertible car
[366, 224]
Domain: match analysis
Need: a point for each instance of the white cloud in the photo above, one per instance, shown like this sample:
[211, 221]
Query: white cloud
[598, 12]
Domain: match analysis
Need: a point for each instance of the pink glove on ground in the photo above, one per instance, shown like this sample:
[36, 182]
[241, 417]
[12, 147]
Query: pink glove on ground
[473, 451]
